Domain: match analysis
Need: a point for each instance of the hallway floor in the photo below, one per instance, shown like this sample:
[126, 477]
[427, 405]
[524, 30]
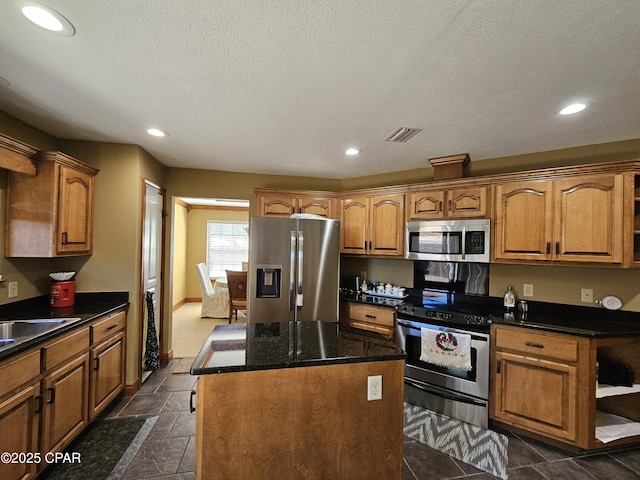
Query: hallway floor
[168, 451]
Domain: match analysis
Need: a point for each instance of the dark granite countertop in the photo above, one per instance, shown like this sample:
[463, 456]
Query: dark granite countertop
[551, 317]
[88, 307]
[261, 346]
[572, 324]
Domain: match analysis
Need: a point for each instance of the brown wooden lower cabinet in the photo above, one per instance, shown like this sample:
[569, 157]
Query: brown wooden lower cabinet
[107, 373]
[66, 411]
[545, 383]
[19, 424]
[51, 392]
[307, 422]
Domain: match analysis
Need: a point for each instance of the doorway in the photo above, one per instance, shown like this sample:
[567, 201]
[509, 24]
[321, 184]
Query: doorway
[152, 256]
[190, 217]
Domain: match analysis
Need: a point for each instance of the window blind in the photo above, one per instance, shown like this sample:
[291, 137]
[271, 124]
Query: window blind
[227, 246]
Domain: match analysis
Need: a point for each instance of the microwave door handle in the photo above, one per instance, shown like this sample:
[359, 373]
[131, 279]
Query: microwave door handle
[464, 242]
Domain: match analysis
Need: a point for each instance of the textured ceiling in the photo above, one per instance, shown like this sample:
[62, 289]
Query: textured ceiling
[284, 86]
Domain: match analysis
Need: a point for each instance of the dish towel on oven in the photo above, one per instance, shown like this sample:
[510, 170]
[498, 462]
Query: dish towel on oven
[446, 349]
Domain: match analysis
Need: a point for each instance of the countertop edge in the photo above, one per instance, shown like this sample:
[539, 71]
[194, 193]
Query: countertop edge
[297, 364]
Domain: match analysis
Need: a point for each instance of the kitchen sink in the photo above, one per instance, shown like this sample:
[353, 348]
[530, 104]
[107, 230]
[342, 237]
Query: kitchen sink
[17, 331]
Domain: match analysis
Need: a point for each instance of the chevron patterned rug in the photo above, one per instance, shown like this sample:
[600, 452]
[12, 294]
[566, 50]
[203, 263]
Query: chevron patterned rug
[484, 449]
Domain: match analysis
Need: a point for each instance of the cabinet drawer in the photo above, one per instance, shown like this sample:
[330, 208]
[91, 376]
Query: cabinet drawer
[16, 372]
[65, 348]
[542, 345]
[366, 313]
[108, 326]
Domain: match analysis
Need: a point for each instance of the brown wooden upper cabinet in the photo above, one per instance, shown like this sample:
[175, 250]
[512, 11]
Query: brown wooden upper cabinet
[51, 214]
[372, 225]
[283, 203]
[463, 202]
[578, 219]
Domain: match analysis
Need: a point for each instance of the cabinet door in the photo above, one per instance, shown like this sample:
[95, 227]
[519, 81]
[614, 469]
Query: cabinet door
[426, 205]
[75, 212]
[19, 424]
[467, 202]
[66, 403]
[387, 224]
[523, 221]
[107, 373]
[588, 219]
[276, 205]
[354, 214]
[536, 394]
[324, 207]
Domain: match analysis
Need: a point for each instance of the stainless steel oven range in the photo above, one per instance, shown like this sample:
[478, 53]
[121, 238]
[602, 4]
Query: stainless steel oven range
[460, 394]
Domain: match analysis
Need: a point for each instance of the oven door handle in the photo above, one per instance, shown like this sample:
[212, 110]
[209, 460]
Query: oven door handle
[474, 336]
[404, 324]
[443, 393]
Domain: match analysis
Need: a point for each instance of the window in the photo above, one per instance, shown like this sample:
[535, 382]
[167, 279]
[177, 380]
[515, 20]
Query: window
[227, 246]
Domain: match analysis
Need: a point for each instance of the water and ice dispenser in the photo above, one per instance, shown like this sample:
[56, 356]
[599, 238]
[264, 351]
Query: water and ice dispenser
[268, 280]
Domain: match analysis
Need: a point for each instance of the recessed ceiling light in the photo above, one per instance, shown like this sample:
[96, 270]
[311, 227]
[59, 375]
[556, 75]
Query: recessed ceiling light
[47, 18]
[573, 108]
[352, 151]
[156, 132]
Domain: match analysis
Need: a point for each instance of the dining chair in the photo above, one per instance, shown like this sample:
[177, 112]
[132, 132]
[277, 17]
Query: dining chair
[237, 282]
[208, 299]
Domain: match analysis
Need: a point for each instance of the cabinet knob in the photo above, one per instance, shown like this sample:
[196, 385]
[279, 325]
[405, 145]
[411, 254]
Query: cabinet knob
[65, 238]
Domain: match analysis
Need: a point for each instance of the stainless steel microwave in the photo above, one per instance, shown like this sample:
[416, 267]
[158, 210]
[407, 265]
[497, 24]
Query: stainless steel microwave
[449, 240]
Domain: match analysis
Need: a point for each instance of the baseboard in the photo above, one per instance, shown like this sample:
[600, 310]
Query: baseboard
[179, 304]
[185, 301]
[131, 388]
[165, 358]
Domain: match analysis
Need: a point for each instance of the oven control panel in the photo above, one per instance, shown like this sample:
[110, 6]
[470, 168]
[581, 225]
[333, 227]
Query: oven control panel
[411, 311]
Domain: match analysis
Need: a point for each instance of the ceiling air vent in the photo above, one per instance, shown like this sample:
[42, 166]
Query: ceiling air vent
[402, 134]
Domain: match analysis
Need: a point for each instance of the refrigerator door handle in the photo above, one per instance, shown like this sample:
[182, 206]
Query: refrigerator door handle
[292, 272]
[300, 264]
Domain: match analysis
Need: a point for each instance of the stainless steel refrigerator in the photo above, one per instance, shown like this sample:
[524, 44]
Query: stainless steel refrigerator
[294, 268]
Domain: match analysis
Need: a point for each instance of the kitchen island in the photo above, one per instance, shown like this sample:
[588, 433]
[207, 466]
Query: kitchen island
[291, 400]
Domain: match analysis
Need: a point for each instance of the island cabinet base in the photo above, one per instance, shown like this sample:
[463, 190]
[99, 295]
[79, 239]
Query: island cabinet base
[300, 423]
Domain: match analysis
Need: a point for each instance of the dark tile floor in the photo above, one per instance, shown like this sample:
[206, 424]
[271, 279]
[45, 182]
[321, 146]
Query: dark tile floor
[168, 451]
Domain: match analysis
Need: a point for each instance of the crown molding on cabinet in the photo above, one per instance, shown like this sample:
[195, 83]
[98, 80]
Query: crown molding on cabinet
[17, 156]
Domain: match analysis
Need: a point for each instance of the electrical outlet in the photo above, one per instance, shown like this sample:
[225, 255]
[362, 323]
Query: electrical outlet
[527, 290]
[374, 391]
[363, 275]
[586, 295]
[13, 289]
